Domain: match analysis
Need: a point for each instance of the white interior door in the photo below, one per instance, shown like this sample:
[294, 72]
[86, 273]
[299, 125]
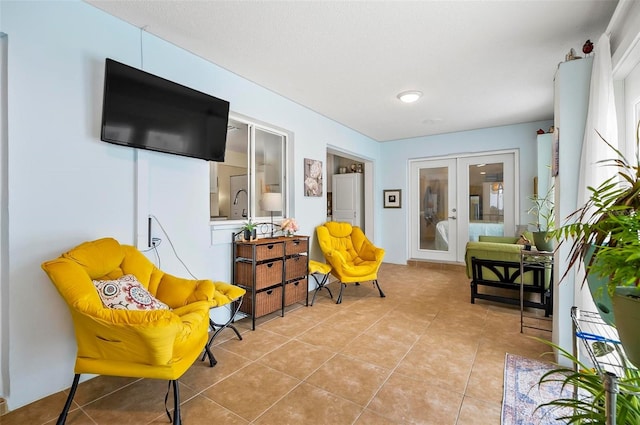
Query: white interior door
[433, 210]
[347, 198]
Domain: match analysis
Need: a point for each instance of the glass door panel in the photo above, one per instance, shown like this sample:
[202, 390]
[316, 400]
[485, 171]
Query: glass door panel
[434, 206]
[433, 210]
[486, 200]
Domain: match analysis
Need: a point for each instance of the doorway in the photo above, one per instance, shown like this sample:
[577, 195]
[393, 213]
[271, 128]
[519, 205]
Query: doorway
[454, 200]
[341, 162]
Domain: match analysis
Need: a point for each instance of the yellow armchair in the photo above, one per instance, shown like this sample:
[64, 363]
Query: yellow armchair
[155, 343]
[352, 256]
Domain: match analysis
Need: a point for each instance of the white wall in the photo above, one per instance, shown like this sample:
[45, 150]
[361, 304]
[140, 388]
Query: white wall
[393, 223]
[66, 186]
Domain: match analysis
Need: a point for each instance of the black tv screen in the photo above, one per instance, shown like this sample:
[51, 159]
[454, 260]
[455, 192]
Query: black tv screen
[145, 111]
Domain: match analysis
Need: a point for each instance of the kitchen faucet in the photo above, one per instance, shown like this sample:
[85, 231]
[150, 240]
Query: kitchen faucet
[235, 199]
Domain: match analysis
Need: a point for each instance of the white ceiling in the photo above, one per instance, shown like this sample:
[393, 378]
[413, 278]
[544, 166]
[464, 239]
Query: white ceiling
[479, 63]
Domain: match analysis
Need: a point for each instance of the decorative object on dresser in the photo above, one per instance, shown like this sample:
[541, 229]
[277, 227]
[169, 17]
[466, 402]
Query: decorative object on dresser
[289, 226]
[249, 230]
[271, 201]
[273, 271]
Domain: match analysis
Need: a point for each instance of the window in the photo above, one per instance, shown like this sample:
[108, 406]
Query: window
[255, 164]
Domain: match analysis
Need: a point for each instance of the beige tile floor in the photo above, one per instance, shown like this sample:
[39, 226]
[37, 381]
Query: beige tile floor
[422, 355]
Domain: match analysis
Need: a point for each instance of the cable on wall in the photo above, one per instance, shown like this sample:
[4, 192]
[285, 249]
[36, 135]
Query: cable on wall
[170, 243]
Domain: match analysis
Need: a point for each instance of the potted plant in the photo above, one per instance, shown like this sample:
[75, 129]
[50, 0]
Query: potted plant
[605, 237]
[542, 209]
[249, 230]
[588, 404]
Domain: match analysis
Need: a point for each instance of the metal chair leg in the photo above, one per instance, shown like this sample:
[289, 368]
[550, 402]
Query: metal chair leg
[342, 286]
[375, 282]
[320, 285]
[177, 420]
[219, 327]
[382, 295]
[63, 416]
[209, 353]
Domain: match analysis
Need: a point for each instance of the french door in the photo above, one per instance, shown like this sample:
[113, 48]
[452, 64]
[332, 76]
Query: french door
[434, 212]
[455, 200]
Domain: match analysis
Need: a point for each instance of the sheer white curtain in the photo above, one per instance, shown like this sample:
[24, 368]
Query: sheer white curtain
[601, 117]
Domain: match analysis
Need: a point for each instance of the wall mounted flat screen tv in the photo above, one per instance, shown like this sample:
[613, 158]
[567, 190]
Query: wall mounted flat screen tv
[145, 111]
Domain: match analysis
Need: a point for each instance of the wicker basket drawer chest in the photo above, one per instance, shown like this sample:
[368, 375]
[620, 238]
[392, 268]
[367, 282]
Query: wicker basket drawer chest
[274, 273]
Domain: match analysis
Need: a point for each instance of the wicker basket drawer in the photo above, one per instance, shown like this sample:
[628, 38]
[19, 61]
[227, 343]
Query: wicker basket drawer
[296, 267]
[296, 246]
[267, 274]
[266, 302]
[263, 251]
[296, 291]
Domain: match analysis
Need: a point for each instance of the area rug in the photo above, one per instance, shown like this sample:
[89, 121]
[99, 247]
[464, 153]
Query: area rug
[522, 394]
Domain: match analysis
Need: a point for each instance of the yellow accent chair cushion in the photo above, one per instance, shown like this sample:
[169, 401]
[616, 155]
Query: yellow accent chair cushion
[352, 256]
[157, 343]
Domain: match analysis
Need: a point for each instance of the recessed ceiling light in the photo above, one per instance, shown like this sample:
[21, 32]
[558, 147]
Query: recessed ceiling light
[483, 172]
[410, 96]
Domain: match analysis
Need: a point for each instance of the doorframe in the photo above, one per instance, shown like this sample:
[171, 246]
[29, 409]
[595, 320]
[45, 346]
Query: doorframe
[516, 188]
[4, 225]
[367, 187]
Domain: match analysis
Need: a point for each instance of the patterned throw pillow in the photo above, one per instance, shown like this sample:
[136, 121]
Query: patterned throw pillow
[127, 293]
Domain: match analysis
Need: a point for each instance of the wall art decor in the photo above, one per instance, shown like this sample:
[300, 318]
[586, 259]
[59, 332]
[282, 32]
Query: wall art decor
[312, 177]
[393, 198]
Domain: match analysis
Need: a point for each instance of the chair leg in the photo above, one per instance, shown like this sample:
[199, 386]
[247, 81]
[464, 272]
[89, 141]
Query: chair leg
[177, 420]
[63, 416]
[219, 327]
[474, 291]
[339, 299]
[208, 353]
[320, 285]
[382, 295]
[375, 282]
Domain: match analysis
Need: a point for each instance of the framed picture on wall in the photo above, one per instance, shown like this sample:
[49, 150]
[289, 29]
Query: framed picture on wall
[392, 198]
[312, 177]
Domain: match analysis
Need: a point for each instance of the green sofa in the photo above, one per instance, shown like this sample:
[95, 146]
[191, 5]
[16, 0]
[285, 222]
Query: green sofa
[494, 261]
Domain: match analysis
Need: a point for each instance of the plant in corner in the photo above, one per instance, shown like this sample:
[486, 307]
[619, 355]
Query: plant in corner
[588, 404]
[605, 237]
[542, 209]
